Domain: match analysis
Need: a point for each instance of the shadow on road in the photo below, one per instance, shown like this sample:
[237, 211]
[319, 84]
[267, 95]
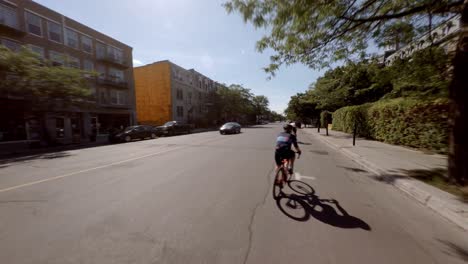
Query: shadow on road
[455, 250]
[304, 143]
[352, 169]
[45, 156]
[319, 152]
[301, 206]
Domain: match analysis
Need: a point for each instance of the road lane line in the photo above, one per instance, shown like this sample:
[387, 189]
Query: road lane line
[94, 168]
[298, 177]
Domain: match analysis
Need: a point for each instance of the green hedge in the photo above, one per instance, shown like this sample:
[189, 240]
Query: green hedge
[409, 122]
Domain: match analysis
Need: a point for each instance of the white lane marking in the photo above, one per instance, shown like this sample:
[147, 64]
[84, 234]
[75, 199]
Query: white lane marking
[91, 169]
[298, 177]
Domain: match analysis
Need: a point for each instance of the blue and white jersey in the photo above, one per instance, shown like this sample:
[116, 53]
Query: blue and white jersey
[285, 140]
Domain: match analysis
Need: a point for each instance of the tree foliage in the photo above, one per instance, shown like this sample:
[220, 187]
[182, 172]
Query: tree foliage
[395, 35]
[237, 103]
[24, 74]
[317, 33]
[424, 76]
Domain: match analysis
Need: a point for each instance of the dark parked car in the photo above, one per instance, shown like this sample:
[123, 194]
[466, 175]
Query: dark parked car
[172, 128]
[133, 132]
[230, 128]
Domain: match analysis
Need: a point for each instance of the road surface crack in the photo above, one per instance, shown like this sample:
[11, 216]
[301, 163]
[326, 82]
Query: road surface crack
[254, 213]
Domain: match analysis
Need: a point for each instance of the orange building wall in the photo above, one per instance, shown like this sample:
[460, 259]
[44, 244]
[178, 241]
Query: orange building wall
[153, 93]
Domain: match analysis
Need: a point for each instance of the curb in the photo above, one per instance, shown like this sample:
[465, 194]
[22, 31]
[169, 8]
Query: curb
[448, 207]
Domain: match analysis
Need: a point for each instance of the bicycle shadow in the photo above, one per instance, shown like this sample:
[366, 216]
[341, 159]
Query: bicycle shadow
[301, 206]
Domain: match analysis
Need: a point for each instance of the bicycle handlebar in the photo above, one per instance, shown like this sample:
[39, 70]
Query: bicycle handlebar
[298, 154]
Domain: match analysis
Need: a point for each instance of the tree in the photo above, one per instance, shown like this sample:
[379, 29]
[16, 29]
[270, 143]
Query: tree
[318, 33]
[24, 74]
[260, 105]
[303, 106]
[237, 103]
[395, 35]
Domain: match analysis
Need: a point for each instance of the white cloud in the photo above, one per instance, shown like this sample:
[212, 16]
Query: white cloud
[243, 52]
[137, 62]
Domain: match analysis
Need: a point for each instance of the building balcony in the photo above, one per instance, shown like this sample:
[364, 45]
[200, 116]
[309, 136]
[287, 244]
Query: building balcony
[112, 82]
[11, 29]
[112, 60]
[108, 104]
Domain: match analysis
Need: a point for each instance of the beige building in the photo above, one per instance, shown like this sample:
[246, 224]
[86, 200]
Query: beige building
[165, 91]
[444, 35]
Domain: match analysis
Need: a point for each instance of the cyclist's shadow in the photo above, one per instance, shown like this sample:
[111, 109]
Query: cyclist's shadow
[303, 204]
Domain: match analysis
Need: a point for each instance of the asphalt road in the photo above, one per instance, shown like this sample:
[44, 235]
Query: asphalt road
[207, 198]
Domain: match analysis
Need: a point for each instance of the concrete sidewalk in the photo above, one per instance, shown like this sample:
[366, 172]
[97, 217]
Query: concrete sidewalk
[393, 164]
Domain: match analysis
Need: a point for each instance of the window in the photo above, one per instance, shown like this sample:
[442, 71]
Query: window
[103, 98]
[86, 44]
[117, 97]
[115, 54]
[92, 89]
[12, 45]
[72, 38]
[8, 17]
[38, 50]
[180, 94]
[73, 62]
[190, 97]
[116, 75]
[56, 58]
[100, 50]
[101, 69]
[180, 111]
[88, 65]
[34, 24]
[55, 31]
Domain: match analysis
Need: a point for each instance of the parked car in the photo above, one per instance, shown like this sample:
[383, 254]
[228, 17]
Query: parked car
[133, 132]
[230, 128]
[173, 128]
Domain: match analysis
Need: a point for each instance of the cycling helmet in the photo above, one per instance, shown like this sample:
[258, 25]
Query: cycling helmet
[287, 128]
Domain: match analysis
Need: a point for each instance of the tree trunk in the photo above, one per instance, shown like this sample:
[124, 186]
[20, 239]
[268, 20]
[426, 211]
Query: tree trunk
[458, 94]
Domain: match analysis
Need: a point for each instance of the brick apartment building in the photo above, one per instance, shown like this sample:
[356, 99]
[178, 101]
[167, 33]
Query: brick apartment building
[66, 42]
[165, 91]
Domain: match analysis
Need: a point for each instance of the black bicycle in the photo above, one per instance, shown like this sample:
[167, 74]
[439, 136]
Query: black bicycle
[282, 176]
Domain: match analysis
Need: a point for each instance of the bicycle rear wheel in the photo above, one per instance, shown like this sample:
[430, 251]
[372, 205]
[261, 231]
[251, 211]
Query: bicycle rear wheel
[277, 190]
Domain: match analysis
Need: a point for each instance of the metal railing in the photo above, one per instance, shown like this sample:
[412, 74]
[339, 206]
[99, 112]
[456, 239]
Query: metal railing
[112, 82]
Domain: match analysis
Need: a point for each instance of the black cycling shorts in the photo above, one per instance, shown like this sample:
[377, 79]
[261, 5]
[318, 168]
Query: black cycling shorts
[281, 154]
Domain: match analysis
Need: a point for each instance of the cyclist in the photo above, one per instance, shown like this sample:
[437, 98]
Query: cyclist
[294, 128]
[283, 150]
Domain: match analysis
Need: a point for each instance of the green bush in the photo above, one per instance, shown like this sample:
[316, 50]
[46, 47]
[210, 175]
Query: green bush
[401, 121]
[344, 119]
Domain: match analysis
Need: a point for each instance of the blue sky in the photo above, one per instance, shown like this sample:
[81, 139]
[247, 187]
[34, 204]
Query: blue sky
[195, 34]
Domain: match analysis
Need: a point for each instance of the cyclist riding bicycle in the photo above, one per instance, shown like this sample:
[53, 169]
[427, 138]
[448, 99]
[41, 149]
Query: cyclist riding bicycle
[294, 128]
[284, 141]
